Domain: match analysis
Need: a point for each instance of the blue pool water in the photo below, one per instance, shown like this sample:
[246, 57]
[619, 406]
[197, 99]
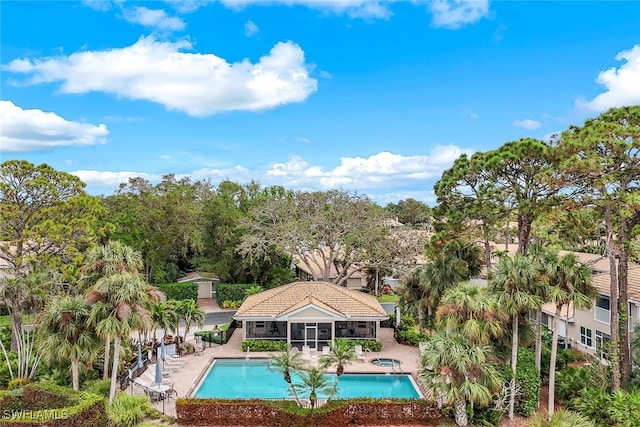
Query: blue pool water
[237, 378]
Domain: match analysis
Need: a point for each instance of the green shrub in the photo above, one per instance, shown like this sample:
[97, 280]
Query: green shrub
[593, 403]
[17, 383]
[232, 292]
[265, 345]
[127, 410]
[570, 381]
[231, 304]
[528, 381]
[180, 291]
[41, 404]
[99, 387]
[371, 345]
[560, 418]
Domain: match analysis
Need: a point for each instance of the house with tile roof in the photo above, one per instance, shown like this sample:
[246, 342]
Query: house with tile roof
[589, 329]
[207, 283]
[311, 314]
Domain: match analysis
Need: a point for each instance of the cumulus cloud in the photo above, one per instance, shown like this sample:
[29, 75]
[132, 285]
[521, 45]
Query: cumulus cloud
[250, 28]
[381, 170]
[198, 84]
[453, 14]
[622, 84]
[111, 179]
[364, 9]
[527, 124]
[153, 18]
[31, 130]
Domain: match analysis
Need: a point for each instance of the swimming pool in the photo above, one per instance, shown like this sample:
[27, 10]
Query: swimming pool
[240, 379]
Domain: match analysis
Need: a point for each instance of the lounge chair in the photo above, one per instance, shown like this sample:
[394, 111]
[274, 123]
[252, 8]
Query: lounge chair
[359, 353]
[306, 352]
[294, 350]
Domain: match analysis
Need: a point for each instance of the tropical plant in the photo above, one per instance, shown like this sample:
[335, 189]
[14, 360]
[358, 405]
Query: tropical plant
[569, 283]
[189, 312]
[66, 333]
[28, 358]
[254, 289]
[341, 354]
[163, 316]
[473, 311]
[128, 410]
[458, 371]
[103, 261]
[125, 297]
[285, 362]
[561, 418]
[512, 281]
[315, 382]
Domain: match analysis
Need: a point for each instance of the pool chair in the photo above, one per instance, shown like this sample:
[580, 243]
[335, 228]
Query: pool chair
[306, 352]
[174, 362]
[294, 350]
[359, 352]
[326, 350]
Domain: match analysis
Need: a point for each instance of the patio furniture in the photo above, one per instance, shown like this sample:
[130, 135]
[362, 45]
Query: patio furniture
[359, 353]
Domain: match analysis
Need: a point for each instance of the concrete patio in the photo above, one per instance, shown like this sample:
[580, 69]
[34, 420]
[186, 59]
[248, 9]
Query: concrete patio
[186, 379]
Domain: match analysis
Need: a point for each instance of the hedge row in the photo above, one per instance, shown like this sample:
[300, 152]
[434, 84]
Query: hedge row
[371, 345]
[232, 292]
[50, 405]
[338, 413]
[180, 291]
[265, 345]
[528, 381]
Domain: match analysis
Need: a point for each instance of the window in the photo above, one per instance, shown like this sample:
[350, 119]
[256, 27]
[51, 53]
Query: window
[260, 325]
[586, 337]
[602, 345]
[601, 310]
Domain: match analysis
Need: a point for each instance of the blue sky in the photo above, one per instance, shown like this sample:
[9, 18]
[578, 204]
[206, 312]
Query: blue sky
[374, 97]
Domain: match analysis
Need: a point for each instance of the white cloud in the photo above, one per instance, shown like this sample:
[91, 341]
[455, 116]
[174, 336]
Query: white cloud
[364, 9]
[111, 179]
[31, 130]
[153, 18]
[381, 170]
[474, 116]
[198, 84]
[453, 14]
[527, 124]
[622, 84]
[250, 28]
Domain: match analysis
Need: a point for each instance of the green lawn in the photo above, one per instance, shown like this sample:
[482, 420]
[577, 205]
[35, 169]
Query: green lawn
[388, 298]
[5, 321]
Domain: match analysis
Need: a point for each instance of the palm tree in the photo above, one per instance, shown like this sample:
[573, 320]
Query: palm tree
[126, 297]
[66, 334]
[107, 260]
[539, 253]
[473, 311]
[513, 281]
[163, 316]
[341, 355]
[284, 362]
[314, 382]
[190, 312]
[458, 371]
[569, 283]
[438, 276]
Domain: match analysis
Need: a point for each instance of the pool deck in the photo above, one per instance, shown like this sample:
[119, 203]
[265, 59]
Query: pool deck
[186, 379]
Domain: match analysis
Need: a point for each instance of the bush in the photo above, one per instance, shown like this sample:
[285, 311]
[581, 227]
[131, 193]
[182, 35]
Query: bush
[570, 381]
[528, 380]
[231, 304]
[232, 292]
[390, 322]
[128, 411]
[17, 383]
[99, 387]
[54, 406]
[264, 345]
[180, 291]
[411, 337]
[371, 345]
[561, 418]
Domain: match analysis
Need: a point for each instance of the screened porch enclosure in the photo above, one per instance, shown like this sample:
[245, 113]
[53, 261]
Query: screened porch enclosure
[266, 330]
[313, 334]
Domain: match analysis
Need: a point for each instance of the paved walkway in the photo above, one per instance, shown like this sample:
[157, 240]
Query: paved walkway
[186, 379]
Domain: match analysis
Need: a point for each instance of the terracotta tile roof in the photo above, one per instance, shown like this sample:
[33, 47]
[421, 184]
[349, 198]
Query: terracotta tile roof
[566, 313]
[286, 299]
[602, 283]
